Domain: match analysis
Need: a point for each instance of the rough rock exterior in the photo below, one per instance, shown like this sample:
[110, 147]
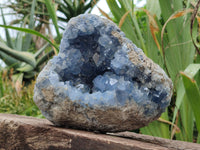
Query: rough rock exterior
[100, 80]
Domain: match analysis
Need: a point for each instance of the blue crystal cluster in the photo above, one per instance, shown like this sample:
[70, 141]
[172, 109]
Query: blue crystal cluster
[99, 68]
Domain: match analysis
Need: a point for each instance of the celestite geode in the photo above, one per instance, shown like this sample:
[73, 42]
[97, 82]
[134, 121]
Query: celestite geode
[100, 81]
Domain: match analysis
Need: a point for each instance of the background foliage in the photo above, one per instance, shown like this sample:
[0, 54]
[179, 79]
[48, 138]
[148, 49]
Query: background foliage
[163, 30]
[167, 32]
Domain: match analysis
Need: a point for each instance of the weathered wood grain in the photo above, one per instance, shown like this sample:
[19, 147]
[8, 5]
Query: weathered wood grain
[28, 133]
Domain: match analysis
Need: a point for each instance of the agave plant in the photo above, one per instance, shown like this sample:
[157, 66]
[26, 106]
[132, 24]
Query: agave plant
[15, 53]
[72, 8]
[166, 38]
[22, 9]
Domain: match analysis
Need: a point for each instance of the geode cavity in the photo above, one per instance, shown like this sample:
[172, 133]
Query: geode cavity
[100, 80]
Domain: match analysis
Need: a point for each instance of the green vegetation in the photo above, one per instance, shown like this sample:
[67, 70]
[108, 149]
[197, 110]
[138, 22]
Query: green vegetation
[73, 8]
[167, 31]
[15, 99]
[162, 29]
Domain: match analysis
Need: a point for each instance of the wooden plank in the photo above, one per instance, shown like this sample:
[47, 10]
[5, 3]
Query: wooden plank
[171, 144]
[28, 133]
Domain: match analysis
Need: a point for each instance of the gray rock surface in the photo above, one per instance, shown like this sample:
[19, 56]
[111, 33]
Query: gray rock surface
[100, 80]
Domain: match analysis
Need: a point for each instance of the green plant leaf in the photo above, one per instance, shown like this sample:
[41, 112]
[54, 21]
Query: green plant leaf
[80, 6]
[22, 56]
[157, 128]
[179, 49]
[64, 10]
[152, 49]
[28, 68]
[198, 138]
[70, 8]
[127, 26]
[30, 75]
[52, 12]
[180, 96]
[31, 32]
[192, 70]
[1, 85]
[25, 68]
[154, 7]
[45, 58]
[185, 116]
[42, 49]
[19, 38]
[9, 61]
[185, 121]
[192, 92]
[19, 41]
[76, 3]
[28, 37]
[8, 38]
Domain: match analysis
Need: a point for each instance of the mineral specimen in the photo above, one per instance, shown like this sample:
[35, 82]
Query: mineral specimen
[100, 81]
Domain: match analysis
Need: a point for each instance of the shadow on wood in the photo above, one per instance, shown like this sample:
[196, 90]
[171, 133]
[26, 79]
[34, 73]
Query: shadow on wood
[28, 133]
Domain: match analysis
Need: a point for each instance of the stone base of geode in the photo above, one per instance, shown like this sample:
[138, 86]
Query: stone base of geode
[101, 119]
